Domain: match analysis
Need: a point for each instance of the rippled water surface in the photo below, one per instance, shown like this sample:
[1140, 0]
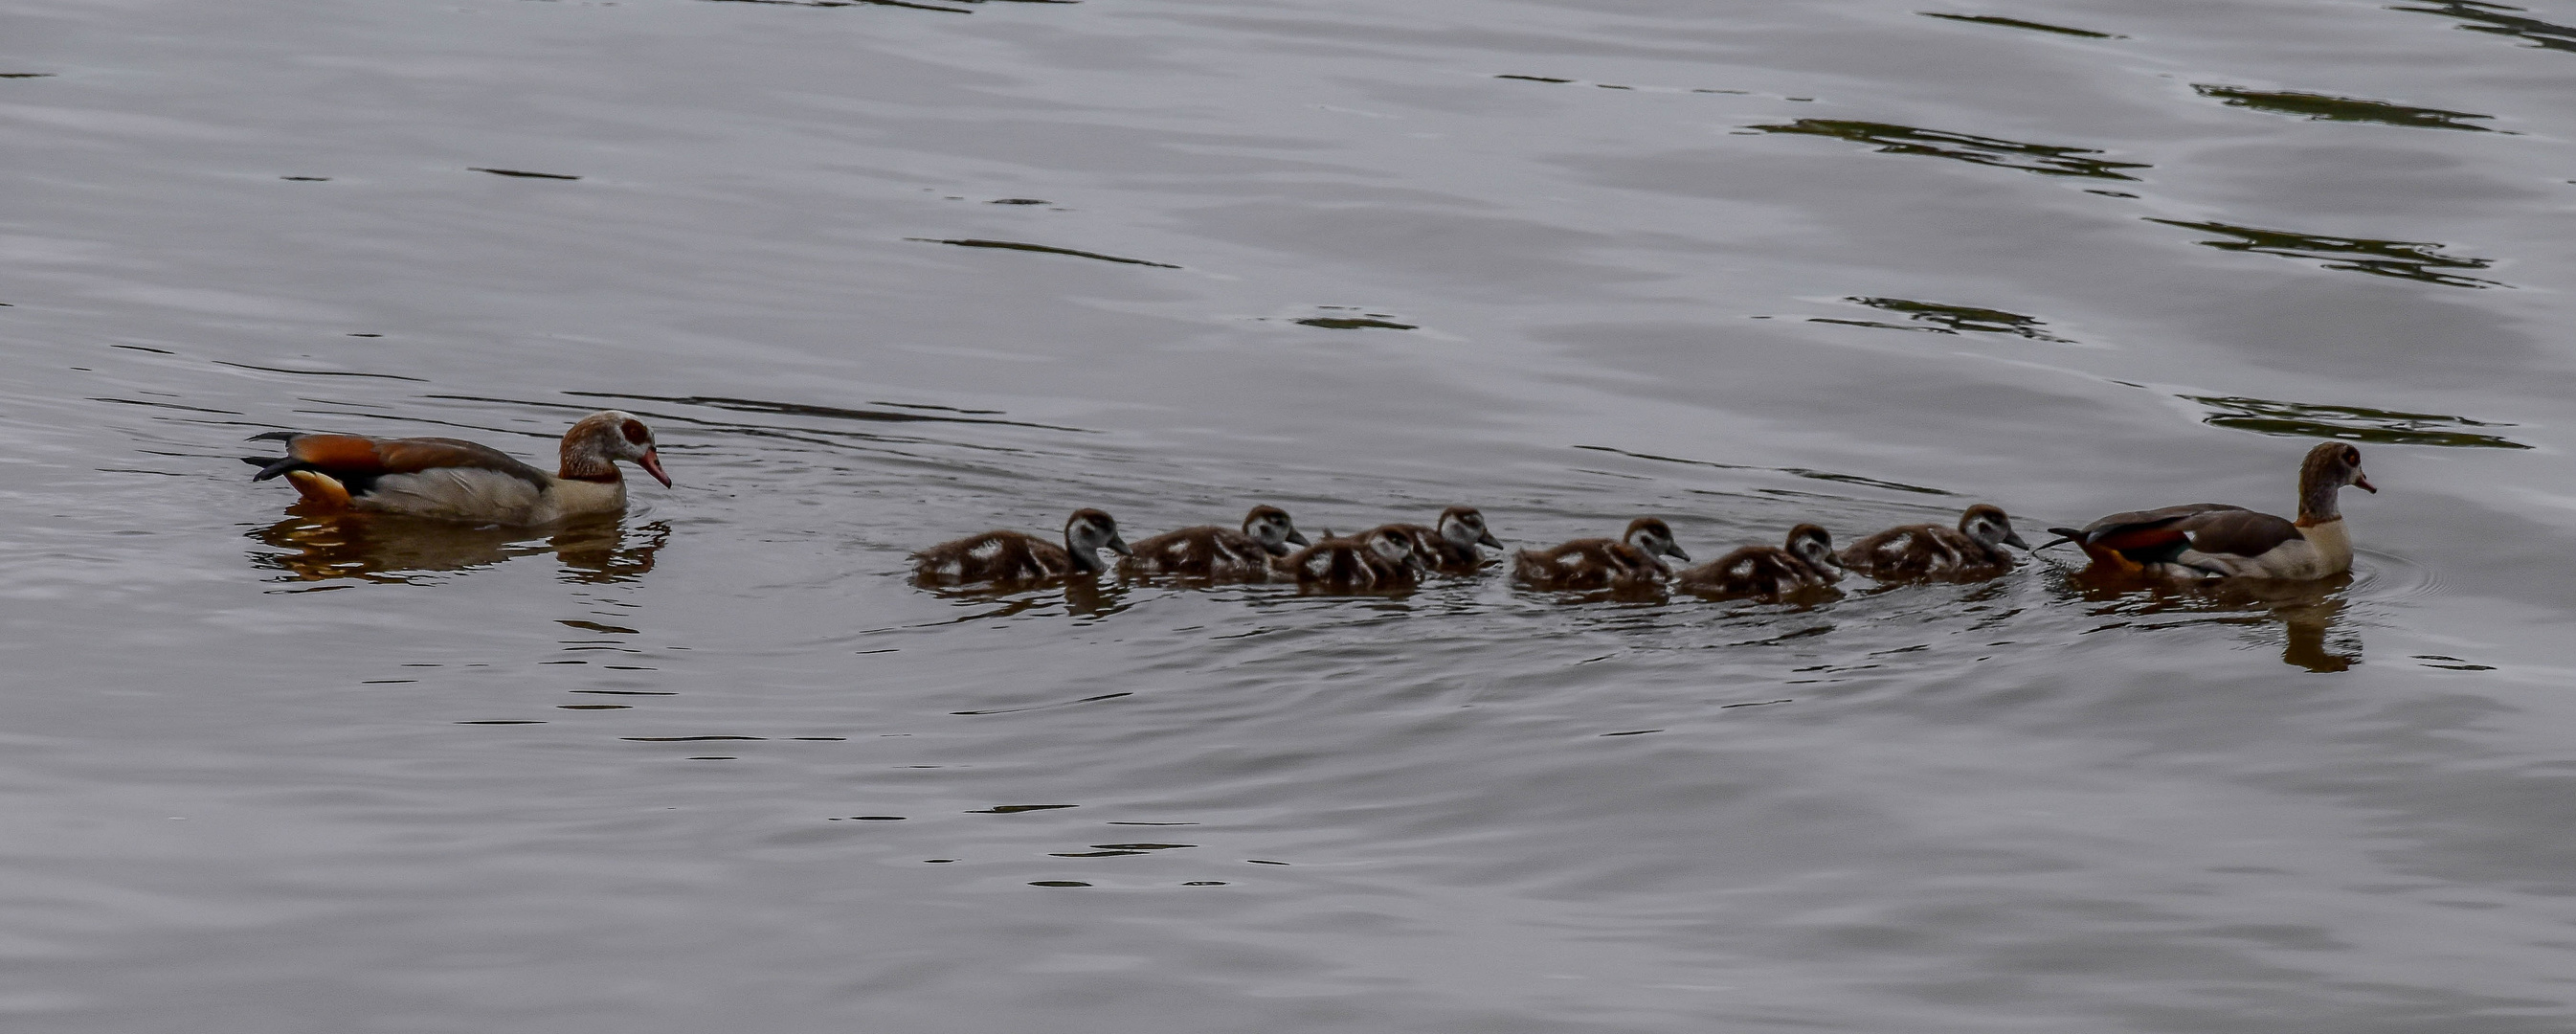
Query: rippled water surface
[883, 273]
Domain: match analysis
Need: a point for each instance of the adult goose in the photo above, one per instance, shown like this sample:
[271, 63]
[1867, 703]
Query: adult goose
[1009, 556]
[1974, 549]
[1805, 562]
[2214, 540]
[1218, 553]
[457, 480]
[1449, 545]
[1628, 562]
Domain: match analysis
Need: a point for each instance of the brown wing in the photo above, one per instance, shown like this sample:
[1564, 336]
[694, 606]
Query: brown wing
[2135, 519]
[349, 456]
[2236, 532]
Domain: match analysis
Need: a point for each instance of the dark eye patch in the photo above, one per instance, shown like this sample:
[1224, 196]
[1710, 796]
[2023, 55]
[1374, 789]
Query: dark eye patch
[636, 432]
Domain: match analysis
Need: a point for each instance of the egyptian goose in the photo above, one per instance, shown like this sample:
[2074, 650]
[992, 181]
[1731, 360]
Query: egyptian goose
[1450, 544]
[1378, 558]
[1212, 552]
[2214, 540]
[1009, 556]
[1631, 561]
[1806, 562]
[452, 479]
[1973, 550]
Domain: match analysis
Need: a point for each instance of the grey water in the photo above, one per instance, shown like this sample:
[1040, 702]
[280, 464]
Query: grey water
[882, 274]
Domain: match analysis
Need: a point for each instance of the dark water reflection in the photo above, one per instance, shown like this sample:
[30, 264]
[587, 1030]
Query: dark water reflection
[719, 765]
[389, 549]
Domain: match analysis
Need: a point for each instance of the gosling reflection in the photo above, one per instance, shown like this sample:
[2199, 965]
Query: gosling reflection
[2309, 613]
[386, 548]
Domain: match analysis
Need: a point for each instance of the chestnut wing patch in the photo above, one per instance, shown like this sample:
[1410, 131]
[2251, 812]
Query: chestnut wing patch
[358, 461]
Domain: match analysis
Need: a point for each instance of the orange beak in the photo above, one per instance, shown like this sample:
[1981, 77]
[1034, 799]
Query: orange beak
[651, 461]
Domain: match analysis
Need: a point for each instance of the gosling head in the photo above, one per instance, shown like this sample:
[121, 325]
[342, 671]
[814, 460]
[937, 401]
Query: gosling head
[1655, 537]
[1270, 526]
[1088, 532]
[1465, 526]
[1814, 545]
[1392, 546]
[1987, 524]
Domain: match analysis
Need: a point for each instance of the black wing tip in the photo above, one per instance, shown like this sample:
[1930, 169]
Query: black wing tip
[272, 466]
[275, 436]
[2064, 536]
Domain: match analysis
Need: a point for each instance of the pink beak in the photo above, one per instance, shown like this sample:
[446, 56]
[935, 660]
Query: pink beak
[2362, 483]
[651, 461]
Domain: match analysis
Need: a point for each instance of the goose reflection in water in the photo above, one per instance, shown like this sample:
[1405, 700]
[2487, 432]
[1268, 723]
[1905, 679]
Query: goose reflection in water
[384, 548]
[2309, 612]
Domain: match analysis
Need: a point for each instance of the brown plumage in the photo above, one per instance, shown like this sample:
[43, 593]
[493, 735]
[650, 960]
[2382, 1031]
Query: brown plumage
[1216, 553]
[1373, 559]
[453, 479]
[1805, 563]
[1973, 550]
[1450, 544]
[2215, 540]
[1628, 562]
[1012, 557]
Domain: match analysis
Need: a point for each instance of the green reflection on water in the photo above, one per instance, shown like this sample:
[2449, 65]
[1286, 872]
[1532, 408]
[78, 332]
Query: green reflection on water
[2411, 260]
[2351, 423]
[1950, 319]
[2326, 107]
[2044, 159]
[2491, 18]
[2016, 23]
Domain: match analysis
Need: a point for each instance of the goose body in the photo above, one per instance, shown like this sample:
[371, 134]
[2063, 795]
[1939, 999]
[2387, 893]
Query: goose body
[458, 480]
[1218, 553]
[1013, 557]
[1379, 558]
[2214, 540]
[1630, 561]
[1974, 549]
[1449, 545]
[1805, 563]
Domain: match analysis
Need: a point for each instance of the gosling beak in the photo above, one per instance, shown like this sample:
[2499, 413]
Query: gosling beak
[1676, 553]
[2013, 538]
[1119, 546]
[1486, 538]
[2363, 483]
[651, 461]
[1297, 538]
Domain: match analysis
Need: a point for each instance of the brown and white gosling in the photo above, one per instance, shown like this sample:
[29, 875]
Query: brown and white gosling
[457, 480]
[1973, 550]
[2214, 540]
[1222, 554]
[1374, 559]
[1450, 545]
[1806, 562]
[1628, 562]
[1009, 556]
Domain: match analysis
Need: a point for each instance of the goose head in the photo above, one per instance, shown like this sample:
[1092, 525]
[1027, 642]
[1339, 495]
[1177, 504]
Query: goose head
[2329, 467]
[1814, 545]
[595, 444]
[1655, 537]
[1465, 526]
[1088, 532]
[1987, 524]
[1269, 525]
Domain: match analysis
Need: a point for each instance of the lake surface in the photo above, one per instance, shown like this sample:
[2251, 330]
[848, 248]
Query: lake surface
[720, 766]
